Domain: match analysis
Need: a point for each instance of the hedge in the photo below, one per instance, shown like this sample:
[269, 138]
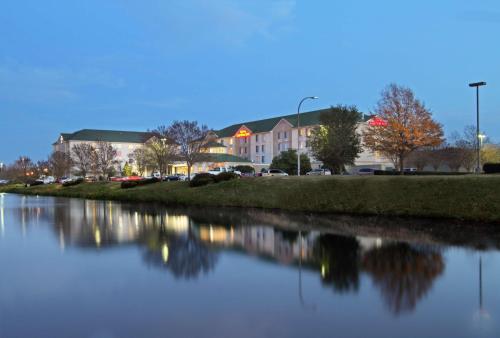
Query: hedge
[491, 168]
[418, 173]
[132, 184]
[202, 179]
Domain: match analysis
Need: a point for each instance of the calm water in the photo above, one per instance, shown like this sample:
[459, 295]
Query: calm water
[77, 268]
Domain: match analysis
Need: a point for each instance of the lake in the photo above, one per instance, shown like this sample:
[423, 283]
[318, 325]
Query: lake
[99, 269]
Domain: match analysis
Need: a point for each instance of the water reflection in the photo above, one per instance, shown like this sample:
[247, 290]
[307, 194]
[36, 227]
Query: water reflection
[403, 273]
[188, 243]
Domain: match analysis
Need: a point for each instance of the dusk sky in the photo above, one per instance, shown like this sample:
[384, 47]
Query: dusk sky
[133, 65]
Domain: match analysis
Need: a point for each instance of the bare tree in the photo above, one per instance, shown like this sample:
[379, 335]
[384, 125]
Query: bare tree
[141, 157]
[409, 125]
[105, 157]
[84, 155]
[190, 139]
[60, 163]
[420, 158]
[162, 152]
[23, 166]
[467, 142]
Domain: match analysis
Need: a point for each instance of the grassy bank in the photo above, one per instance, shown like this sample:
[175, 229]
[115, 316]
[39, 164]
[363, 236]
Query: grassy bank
[463, 197]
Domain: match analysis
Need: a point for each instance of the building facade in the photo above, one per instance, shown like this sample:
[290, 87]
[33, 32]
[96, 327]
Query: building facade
[260, 141]
[125, 142]
[253, 143]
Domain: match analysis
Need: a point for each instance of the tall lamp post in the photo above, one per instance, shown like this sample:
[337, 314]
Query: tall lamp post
[298, 129]
[477, 85]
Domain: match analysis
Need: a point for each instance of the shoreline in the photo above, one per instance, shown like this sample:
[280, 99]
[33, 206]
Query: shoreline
[467, 198]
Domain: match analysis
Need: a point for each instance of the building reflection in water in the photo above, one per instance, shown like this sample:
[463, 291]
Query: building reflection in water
[188, 244]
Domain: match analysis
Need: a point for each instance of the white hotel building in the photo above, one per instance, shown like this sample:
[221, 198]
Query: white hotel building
[260, 141]
[253, 143]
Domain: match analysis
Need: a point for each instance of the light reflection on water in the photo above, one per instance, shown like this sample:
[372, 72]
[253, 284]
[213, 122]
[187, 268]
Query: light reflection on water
[234, 273]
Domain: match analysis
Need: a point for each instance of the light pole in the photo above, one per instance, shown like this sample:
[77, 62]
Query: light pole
[298, 129]
[477, 85]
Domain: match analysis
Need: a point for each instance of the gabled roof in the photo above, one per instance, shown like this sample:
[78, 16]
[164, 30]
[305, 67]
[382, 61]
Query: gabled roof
[260, 126]
[108, 136]
[226, 158]
[213, 144]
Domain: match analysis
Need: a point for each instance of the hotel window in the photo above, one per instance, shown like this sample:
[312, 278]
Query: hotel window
[222, 142]
[241, 151]
[245, 150]
[263, 138]
[263, 160]
[230, 141]
[262, 148]
[256, 149]
[308, 132]
[256, 138]
[279, 135]
[285, 135]
[246, 140]
[279, 146]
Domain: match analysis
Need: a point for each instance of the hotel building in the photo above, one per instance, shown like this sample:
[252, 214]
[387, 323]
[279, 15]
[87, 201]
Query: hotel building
[253, 143]
[260, 141]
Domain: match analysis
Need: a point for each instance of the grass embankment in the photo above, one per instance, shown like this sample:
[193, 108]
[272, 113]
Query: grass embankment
[463, 197]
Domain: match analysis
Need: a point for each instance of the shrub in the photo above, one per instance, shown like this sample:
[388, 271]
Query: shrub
[132, 184]
[225, 177]
[491, 168]
[202, 179]
[417, 173]
[31, 183]
[73, 182]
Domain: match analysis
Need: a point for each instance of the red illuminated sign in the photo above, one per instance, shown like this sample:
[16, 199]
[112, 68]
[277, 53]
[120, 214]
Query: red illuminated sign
[377, 122]
[242, 133]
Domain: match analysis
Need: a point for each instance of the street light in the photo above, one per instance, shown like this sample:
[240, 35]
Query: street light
[298, 129]
[477, 85]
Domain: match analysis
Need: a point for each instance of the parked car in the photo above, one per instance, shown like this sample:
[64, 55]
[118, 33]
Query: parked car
[410, 170]
[218, 170]
[46, 179]
[366, 171]
[274, 172]
[126, 178]
[319, 172]
[170, 178]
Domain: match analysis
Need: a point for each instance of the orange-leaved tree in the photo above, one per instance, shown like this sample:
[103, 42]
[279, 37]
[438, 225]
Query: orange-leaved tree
[408, 126]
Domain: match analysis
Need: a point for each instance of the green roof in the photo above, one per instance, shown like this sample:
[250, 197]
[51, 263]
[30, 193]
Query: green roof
[213, 144]
[261, 126]
[226, 158]
[108, 136]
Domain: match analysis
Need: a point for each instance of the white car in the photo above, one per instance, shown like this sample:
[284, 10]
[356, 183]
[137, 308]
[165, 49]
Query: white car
[366, 171]
[274, 172]
[319, 172]
[219, 170]
[47, 179]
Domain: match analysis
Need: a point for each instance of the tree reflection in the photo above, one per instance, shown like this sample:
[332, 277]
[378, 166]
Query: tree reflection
[185, 256]
[403, 273]
[339, 258]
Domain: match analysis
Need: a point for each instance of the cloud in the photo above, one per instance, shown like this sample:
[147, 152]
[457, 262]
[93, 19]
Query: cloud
[35, 84]
[231, 22]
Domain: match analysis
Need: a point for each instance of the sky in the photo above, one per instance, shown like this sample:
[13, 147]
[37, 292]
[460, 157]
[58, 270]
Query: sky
[134, 65]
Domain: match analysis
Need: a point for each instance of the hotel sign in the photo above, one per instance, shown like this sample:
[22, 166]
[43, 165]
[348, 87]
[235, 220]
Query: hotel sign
[242, 133]
[377, 122]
